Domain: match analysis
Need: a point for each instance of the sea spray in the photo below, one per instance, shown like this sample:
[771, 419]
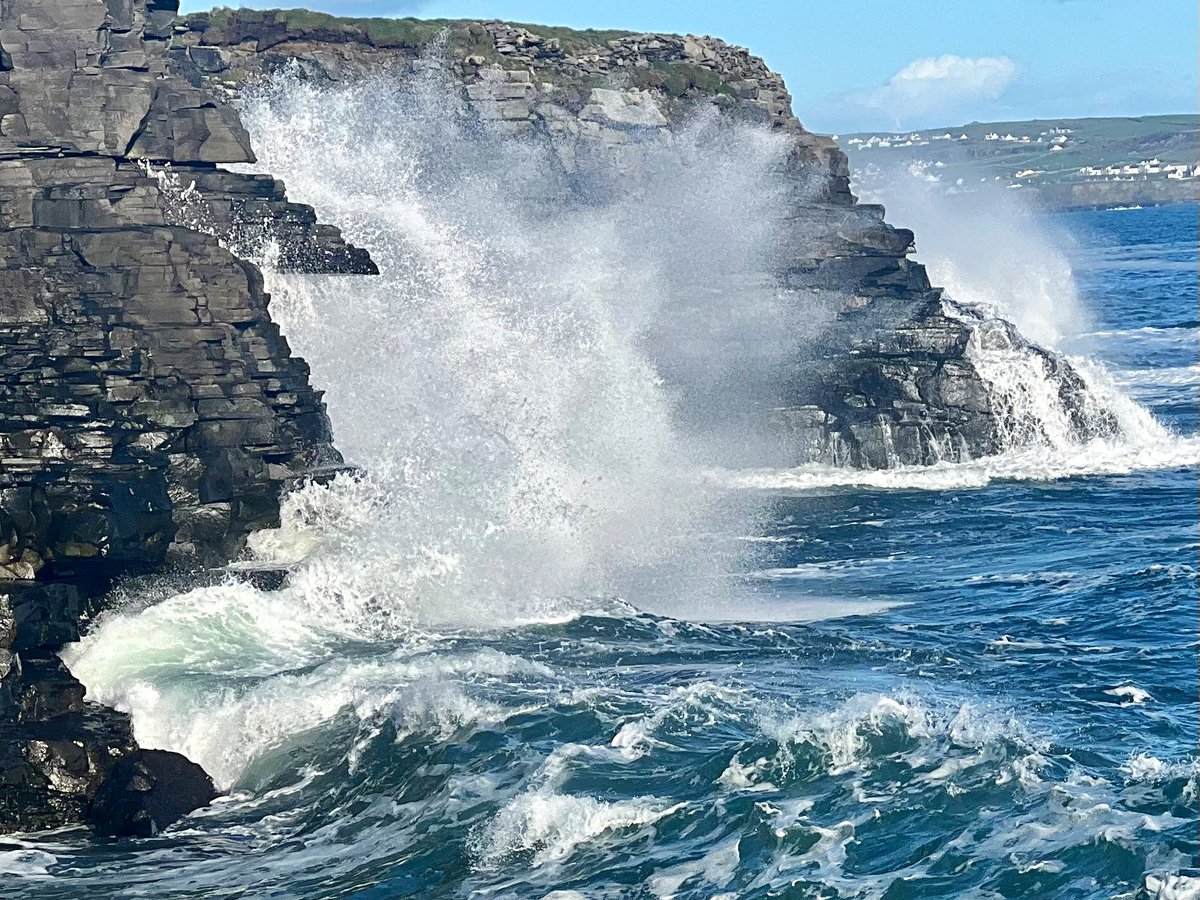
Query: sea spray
[529, 387]
[989, 249]
[533, 387]
[542, 365]
[965, 743]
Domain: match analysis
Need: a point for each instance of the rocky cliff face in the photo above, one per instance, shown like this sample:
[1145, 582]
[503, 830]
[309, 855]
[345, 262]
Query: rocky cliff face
[150, 411]
[892, 382]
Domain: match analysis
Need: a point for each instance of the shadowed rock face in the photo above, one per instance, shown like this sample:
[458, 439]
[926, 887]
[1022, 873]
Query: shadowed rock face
[147, 791]
[892, 382]
[150, 411]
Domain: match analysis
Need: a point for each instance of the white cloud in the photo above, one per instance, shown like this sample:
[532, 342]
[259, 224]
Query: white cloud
[935, 84]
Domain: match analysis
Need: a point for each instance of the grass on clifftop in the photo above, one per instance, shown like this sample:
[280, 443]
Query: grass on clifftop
[468, 38]
[679, 79]
[574, 41]
[407, 32]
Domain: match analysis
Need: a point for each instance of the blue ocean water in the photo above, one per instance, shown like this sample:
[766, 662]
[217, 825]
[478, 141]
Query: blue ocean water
[949, 686]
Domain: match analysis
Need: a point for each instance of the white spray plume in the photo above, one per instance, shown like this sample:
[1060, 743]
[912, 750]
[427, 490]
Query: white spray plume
[988, 247]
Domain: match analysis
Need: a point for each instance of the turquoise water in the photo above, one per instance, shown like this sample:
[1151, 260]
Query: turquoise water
[951, 687]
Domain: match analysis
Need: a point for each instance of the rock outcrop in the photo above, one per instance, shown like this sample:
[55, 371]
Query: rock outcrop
[147, 791]
[150, 411]
[893, 381]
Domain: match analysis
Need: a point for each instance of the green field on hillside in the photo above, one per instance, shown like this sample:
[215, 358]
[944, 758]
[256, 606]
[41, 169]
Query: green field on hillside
[1094, 142]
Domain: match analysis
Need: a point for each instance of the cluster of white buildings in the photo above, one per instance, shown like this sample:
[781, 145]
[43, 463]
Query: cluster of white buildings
[1145, 167]
[902, 140]
[1034, 151]
[1055, 137]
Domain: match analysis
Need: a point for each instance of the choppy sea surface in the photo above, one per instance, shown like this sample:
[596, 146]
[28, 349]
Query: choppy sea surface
[965, 681]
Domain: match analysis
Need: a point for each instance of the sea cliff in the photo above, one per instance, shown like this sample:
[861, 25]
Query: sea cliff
[892, 382]
[152, 414]
[150, 411]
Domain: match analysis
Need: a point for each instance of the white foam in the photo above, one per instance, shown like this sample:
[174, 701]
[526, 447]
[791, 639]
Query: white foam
[1130, 692]
[701, 704]
[1148, 768]
[1164, 376]
[1173, 887]
[551, 825]
[226, 725]
[26, 863]
[1180, 333]
[715, 868]
[1033, 463]
[934, 739]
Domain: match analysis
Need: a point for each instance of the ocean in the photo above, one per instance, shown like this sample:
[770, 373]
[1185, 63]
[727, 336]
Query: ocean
[530, 656]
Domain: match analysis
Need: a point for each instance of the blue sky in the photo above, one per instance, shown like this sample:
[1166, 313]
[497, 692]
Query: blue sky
[876, 64]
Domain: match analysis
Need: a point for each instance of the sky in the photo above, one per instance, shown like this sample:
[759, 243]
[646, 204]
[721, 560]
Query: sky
[863, 65]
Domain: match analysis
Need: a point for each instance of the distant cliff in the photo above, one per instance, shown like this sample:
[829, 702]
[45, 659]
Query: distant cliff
[1094, 194]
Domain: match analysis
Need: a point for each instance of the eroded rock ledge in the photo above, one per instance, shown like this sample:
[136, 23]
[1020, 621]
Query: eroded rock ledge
[150, 411]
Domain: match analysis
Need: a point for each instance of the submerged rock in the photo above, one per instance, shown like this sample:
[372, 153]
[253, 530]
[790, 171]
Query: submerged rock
[147, 791]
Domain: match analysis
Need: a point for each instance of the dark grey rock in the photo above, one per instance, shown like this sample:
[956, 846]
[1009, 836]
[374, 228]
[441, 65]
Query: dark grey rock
[146, 791]
[150, 410]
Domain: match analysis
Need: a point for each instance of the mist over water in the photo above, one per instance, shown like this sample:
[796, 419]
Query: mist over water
[531, 387]
[546, 360]
[989, 248]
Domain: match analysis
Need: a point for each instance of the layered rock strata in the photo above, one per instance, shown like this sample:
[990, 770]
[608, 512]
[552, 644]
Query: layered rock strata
[892, 382]
[150, 411]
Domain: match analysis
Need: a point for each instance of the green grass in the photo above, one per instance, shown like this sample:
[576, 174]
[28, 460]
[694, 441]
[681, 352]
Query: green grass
[406, 32]
[679, 79]
[1093, 142]
[470, 39]
[574, 41]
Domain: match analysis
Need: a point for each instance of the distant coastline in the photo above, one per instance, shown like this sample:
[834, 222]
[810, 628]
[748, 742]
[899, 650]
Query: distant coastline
[1057, 164]
[1100, 195]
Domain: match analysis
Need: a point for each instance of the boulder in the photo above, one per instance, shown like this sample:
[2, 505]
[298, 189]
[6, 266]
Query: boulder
[146, 791]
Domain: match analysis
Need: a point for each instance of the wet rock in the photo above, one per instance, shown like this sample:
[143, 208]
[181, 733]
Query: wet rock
[150, 410]
[146, 791]
[51, 768]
